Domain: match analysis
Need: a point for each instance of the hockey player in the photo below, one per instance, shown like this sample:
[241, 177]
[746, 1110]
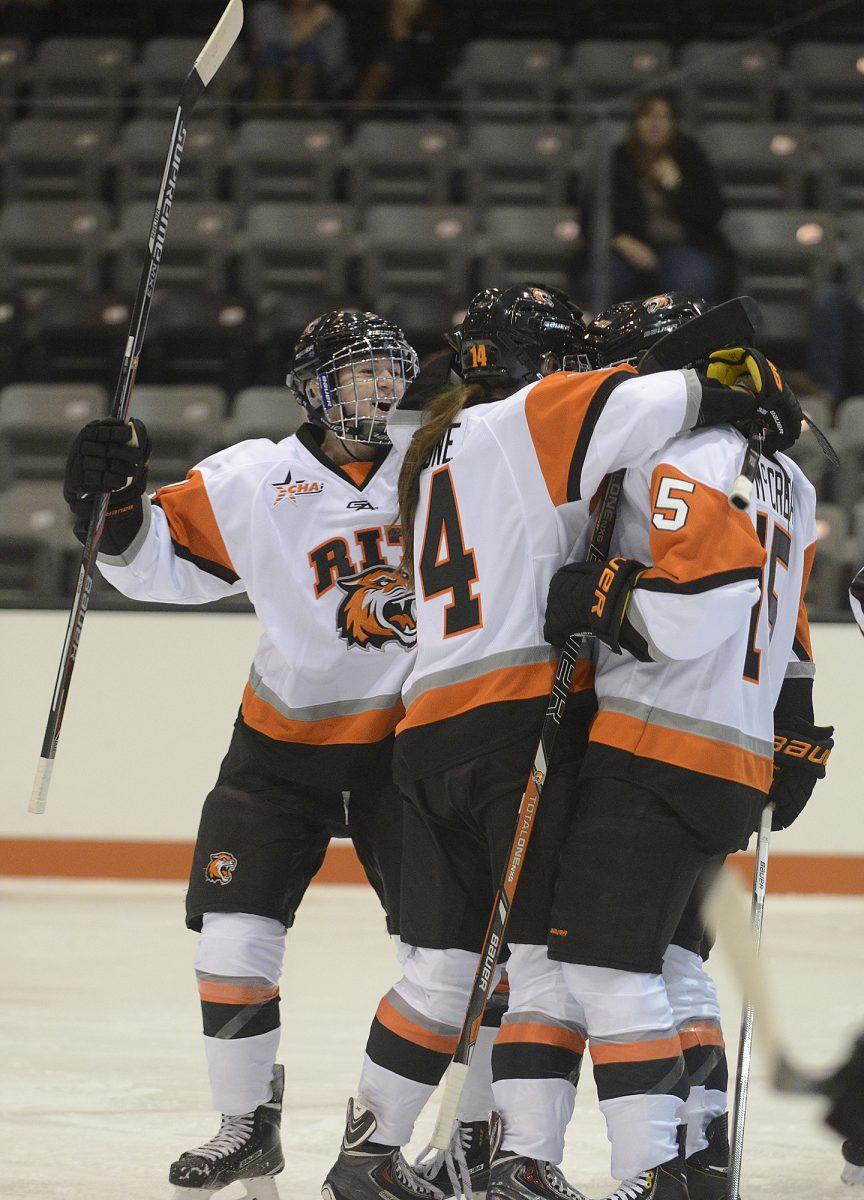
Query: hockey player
[306, 527]
[697, 650]
[495, 490]
[853, 1152]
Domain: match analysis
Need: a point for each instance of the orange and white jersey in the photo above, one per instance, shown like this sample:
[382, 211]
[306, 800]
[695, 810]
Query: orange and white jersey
[316, 548]
[722, 614]
[503, 498]
[856, 597]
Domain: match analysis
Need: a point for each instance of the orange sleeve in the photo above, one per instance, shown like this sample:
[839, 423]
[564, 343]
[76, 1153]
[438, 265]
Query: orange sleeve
[802, 647]
[698, 540]
[562, 411]
[195, 533]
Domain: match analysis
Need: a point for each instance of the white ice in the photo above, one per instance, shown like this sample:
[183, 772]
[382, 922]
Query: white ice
[102, 1080]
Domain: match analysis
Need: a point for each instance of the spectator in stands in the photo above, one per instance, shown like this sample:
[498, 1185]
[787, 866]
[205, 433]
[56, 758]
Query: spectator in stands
[300, 50]
[836, 354]
[410, 56]
[666, 210]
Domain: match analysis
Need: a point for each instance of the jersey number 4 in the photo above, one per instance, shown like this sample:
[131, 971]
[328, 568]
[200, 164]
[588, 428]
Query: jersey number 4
[445, 564]
[778, 552]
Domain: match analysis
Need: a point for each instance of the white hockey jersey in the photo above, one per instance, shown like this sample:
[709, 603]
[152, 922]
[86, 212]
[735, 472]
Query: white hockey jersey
[503, 498]
[856, 598]
[316, 549]
[721, 609]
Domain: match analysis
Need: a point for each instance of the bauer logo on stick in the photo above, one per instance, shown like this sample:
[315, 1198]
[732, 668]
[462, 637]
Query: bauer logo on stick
[221, 867]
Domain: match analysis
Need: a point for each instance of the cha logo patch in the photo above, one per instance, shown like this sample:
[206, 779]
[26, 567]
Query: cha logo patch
[221, 867]
[377, 609]
[654, 303]
[292, 490]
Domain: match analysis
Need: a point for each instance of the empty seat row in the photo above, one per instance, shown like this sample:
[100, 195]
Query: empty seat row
[766, 163]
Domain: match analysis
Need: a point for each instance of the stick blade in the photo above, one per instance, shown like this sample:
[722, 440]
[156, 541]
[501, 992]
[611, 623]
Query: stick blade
[220, 41]
[733, 323]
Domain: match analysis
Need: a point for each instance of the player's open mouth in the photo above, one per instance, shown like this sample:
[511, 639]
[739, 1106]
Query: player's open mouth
[400, 612]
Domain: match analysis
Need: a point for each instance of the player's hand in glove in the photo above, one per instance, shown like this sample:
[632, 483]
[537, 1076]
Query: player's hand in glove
[776, 407]
[801, 750]
[591, 599]
[108, 456]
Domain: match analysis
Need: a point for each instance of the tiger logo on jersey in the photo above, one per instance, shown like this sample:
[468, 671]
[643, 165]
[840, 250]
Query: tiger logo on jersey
[377, 609]
[221, 867]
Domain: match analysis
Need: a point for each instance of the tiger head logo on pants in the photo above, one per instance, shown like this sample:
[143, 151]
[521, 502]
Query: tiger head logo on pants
[377, 609]
[221, 867]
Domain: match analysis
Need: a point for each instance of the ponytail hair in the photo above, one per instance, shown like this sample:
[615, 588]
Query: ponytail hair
[438, 418]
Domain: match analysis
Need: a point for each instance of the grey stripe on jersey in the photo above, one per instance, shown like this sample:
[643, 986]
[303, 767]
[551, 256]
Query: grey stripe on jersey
[801, 670]
[694, 399]
[124, 559]
[671, 720]
[481, 666]
[318, 712]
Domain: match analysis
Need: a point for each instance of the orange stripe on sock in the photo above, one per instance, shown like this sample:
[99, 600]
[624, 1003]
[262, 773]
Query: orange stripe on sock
[624, 1052]
[393, 1020]
[549, 1035]
[700, 1034]
[235, 993]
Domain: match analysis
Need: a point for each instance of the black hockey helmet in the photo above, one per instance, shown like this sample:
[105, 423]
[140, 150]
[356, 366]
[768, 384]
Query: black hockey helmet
[623, 332]
[519, 333]
[348, 370]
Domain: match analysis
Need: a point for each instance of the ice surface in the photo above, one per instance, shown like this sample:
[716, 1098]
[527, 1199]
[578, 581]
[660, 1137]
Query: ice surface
[102, 1079]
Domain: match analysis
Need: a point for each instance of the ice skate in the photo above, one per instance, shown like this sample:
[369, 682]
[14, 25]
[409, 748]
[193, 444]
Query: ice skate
[367, 1170]
[468, 1159]
[668, 1181]
[517, 1177]
[853, 1165]
[708, 1169]
[247, 1149]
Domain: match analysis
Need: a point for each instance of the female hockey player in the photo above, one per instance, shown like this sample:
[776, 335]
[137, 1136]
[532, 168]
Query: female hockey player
[704, 680]
[494, 493]
[306, 526]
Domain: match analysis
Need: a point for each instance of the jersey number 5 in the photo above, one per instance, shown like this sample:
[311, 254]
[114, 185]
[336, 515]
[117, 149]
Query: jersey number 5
[670, 510]
[445, 565]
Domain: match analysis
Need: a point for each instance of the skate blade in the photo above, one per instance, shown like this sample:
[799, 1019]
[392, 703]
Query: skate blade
[262, 1188]
[853, 1175]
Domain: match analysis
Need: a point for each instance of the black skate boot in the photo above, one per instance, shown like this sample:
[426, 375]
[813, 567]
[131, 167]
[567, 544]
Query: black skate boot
[517, 1177]
[367, 1170]
[468, 1158]
[708, 1169]
[666, 1182]
[247, 1149]
[853, 1159]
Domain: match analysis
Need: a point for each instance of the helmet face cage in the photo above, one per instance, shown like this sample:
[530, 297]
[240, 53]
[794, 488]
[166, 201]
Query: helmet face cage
[349, 371]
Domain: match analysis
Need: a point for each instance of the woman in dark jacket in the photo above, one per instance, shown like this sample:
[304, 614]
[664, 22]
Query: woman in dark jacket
[666, 210]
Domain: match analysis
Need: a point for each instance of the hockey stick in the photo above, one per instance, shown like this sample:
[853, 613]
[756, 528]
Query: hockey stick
[745, 1041]
[742, 488]
[733, 323]
[204, 68]
[527, 815]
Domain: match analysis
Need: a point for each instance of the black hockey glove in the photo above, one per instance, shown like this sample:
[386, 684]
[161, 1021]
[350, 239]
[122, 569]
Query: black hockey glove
[108, 456]
[775, 405]
[591, 599]
[846, 1091]
[801, 750]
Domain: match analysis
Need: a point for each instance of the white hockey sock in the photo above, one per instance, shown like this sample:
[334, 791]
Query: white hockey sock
[238, 964]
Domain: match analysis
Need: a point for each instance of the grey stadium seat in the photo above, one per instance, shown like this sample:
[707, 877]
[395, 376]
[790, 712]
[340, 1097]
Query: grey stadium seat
[164, 64]
[500, 78]
[426, 316]
[414, 247]
[538, 245]
[829, 578]
[139, 159]
[291, 246]
[762, 163]
[612, 71]
[729, 81]
[781, 254]
[518, 164]
[286, 160]
[263, 412]
[34, 524]
[397, 161]
[826, 81]
[850, 429]
[184, 422]
[56, 159]
[840, 181]
[76, 77]
[13, 65]
[38, 422]
[50, 242]
[806, 451]
[851, 225]
[198, 246]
